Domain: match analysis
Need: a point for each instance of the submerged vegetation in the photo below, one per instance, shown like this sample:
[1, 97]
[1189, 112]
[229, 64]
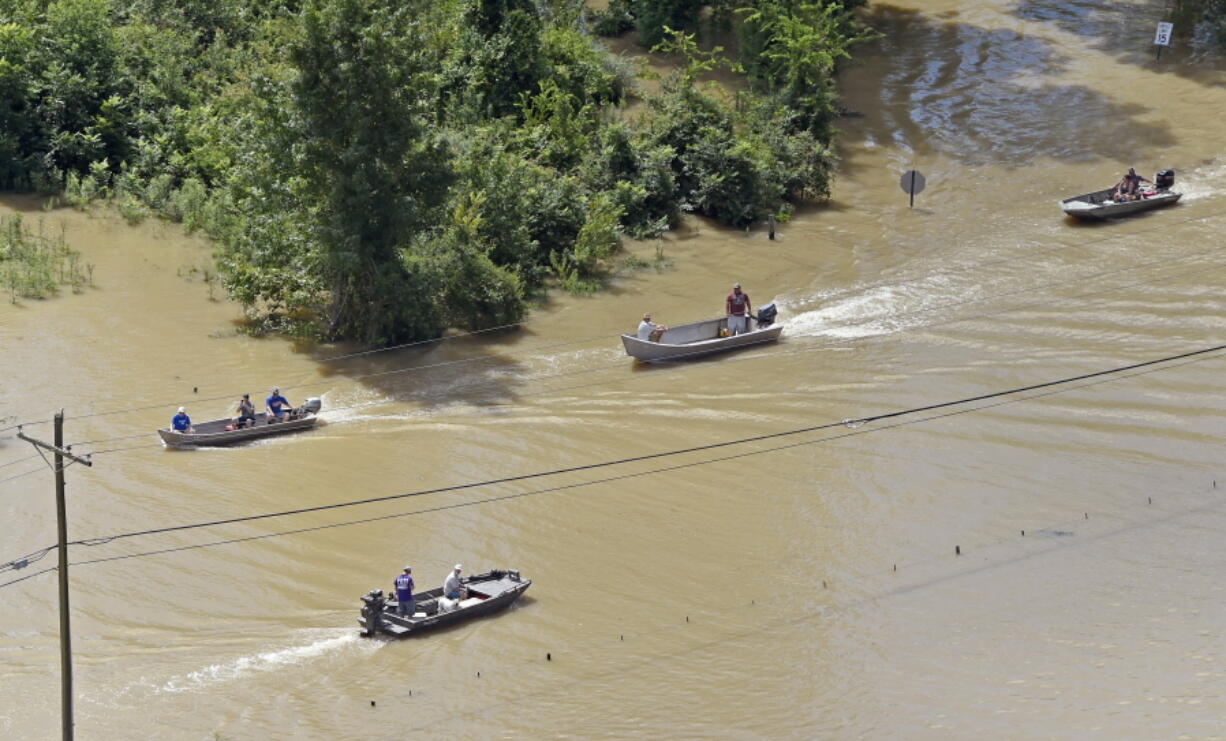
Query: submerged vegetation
[1201, 20]
[380, 170]
[34, 265]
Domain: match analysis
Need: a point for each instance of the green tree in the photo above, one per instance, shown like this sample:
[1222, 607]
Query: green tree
[472, 291]
[20, 138]
[792, 48]
[370, 161]
[79, 75]
[505, 51]
[655, 17]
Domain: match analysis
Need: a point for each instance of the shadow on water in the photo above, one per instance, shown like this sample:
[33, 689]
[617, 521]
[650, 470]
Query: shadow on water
[467, 370]
[1125, 31]
[982, 96]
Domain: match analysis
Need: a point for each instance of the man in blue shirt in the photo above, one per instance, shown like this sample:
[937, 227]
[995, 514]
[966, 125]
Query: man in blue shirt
[181, 422]
[277, 406]
[404, 592]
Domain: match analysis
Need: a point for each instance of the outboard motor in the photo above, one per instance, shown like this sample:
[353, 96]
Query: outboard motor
[766, 315]
[310, 406]
[372, 613]
[1164, 179]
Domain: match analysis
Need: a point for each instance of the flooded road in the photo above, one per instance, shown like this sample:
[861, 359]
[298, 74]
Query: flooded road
[799, 587]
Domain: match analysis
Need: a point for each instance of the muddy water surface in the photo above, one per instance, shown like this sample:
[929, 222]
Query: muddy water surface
[797, 587]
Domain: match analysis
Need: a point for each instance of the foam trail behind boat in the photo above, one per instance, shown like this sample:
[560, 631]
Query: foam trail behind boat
[321, 644]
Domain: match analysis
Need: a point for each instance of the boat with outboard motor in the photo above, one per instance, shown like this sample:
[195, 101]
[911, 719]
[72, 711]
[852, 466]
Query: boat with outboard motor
[1101, 204]
[223, 432]
[703, 338]
[483, 594]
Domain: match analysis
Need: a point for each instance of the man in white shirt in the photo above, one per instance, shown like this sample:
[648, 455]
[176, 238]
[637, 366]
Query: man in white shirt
[649, 332]
[451, 585]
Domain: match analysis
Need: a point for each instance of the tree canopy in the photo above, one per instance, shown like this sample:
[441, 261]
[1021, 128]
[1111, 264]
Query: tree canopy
[380, 170]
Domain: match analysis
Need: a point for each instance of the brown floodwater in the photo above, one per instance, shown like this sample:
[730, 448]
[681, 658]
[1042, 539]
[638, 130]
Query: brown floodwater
[798, 587]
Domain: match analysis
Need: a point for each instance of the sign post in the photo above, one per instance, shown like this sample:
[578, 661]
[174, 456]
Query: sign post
[1163, 37]
[912, 182]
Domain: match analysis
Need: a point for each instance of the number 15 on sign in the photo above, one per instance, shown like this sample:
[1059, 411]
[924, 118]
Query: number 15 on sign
[1163, 37]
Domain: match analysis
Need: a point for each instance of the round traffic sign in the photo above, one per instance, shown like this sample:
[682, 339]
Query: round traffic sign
[912, 182]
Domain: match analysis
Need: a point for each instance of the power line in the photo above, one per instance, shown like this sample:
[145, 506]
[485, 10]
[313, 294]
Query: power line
[20, 475]
[858, 289]
[837, 325]
[663, 454]
[23, 424]
[621, 477]
[26, 560]
[19, 460]
[1103, 376]
[555, 390]
[20, 579]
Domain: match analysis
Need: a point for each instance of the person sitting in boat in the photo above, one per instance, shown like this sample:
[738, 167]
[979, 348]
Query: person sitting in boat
[1127, 188]
[738, 310]
[277, 406]
[246, 413]
[452, 587]
[649, 331]
[404, 592]
[182, 423]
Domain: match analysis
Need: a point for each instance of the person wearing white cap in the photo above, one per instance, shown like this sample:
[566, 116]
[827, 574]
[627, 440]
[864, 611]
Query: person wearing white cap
[451, 585]
[181, 422]
[405, 606]
[738, 310]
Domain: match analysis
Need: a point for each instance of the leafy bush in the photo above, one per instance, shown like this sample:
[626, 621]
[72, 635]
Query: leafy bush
[376, 170]
[615, 19]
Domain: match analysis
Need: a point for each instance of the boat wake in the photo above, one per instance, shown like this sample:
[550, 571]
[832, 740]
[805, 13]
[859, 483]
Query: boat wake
[1202, 181]
[869, 313]
[322, 643]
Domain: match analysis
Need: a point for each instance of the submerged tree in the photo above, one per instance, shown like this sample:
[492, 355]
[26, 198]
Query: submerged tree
[377, 173]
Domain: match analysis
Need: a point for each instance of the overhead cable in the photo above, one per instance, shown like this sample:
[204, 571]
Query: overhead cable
[163, 405]
[855, 431]
[663, 454]
[1102, 376]
[852, 322]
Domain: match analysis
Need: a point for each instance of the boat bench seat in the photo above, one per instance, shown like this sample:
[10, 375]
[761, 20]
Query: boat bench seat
[487, 589]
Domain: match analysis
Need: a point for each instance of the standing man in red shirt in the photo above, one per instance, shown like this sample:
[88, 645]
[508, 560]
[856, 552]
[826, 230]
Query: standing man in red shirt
[738, 310]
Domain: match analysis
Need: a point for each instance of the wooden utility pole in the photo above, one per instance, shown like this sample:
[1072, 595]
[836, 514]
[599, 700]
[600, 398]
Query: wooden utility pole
[61, 517]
